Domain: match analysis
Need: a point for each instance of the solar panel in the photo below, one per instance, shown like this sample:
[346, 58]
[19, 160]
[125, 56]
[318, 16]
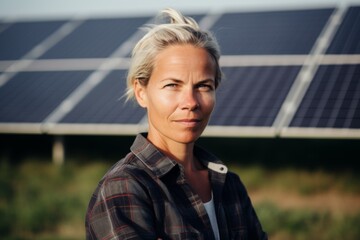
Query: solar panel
[278, 32]
[19, 38]
[347, 38]
[105, 104]
[4, 26]
[197, 17]
[333, 99]
[31, 96]
[96, 38]
[252, 96]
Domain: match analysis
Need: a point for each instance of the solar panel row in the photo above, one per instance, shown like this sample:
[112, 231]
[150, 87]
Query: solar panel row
[250, 96]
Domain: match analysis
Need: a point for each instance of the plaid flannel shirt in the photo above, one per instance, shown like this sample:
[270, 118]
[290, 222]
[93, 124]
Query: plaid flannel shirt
[145, 196]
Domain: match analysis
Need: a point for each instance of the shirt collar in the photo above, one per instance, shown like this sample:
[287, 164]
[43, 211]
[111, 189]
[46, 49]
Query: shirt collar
[209, 160]
[160, 164]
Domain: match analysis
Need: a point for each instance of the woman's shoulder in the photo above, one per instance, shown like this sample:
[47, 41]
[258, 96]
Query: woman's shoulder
[234, 180]
[127, 176]
[125, 182]
[127, 167]
[233, 175]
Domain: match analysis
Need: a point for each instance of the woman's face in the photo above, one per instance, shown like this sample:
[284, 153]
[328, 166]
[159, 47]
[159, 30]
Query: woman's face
[180, 94]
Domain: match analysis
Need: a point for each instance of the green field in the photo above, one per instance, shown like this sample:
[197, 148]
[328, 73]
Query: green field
[39, 200]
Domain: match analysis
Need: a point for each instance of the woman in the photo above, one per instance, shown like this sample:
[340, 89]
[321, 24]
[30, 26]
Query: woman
[167, 187]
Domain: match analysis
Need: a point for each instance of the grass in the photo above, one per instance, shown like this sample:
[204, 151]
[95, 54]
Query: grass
[319, 209]
[307, 224]
[39, 200]
[304, 182]
[42, 200]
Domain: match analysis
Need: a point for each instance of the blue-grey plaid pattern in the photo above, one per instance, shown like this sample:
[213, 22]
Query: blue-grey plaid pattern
[145, 196]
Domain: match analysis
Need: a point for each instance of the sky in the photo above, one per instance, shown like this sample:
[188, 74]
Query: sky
[68, 8]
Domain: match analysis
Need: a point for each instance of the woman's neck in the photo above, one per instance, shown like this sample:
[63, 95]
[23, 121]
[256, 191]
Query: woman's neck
[183, 153]
[195, 174]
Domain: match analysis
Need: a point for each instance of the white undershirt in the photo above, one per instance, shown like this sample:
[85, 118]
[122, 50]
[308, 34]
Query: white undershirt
[210, 209]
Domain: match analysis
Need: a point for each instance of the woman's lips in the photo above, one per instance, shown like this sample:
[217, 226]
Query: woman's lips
[189, 122]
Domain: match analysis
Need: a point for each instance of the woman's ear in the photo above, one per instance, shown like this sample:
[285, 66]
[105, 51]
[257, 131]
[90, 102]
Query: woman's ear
[140, 93]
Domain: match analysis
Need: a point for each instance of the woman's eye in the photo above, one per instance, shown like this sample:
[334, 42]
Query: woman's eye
[205, 87]
[170, 85]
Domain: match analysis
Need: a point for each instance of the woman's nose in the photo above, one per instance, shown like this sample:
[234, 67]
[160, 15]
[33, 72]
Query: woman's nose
[189, 100]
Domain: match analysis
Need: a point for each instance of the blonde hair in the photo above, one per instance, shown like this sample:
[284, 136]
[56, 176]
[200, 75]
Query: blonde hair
[180, 30]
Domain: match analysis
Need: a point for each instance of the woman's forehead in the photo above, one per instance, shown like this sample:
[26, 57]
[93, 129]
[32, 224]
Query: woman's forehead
[185, 56]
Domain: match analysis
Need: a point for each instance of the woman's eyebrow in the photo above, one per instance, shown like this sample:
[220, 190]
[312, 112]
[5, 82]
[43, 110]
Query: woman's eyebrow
[209, 80]
[171, 79]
